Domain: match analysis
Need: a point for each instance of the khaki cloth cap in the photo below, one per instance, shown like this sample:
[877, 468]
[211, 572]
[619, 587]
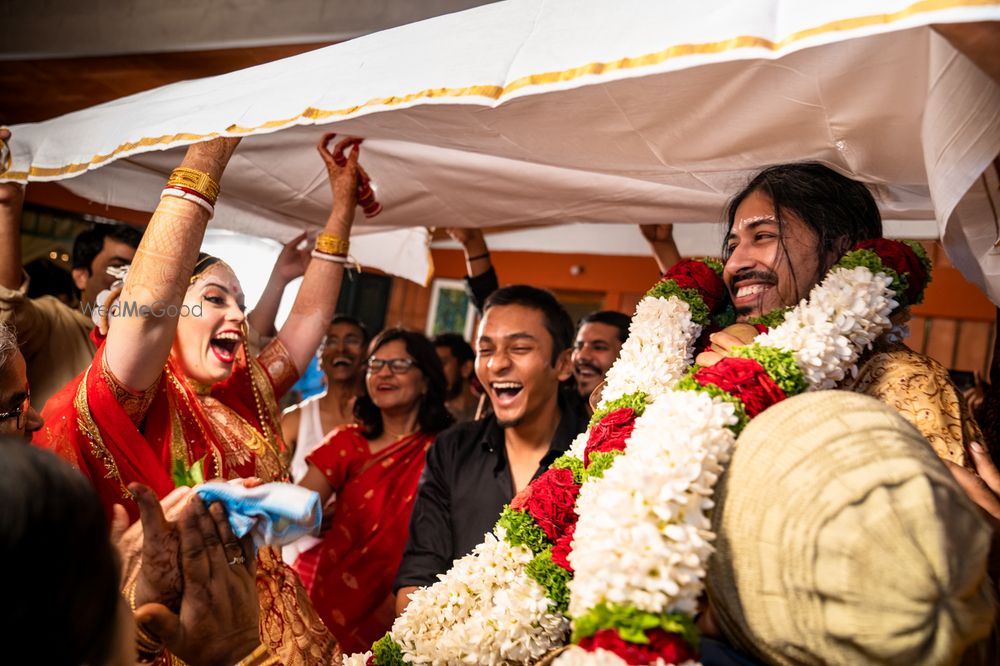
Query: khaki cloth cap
[843, 539]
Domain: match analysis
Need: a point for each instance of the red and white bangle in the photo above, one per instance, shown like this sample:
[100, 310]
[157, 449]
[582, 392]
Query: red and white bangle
[188, 195]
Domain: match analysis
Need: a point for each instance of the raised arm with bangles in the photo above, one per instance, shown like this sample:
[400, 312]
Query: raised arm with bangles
[172, 391]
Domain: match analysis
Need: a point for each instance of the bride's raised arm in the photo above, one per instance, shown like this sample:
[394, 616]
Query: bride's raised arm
[316, 301]
[143, 329]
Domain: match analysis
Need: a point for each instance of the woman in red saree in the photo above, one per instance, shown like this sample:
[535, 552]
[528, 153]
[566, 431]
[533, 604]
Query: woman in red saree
[171, 387]
[373, 469]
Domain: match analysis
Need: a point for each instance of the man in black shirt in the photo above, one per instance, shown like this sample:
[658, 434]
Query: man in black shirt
[474, 469]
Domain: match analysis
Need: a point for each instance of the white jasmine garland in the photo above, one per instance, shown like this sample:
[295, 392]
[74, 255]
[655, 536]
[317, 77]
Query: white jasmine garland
[843, 316]
[643, 535]
[659, 348]
[485, 610]
[356, 659]
[579, 445]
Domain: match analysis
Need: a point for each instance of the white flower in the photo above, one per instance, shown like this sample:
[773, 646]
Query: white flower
[356, 659]
[658, 350]
[843, 316]
[643, 536]
[579, 445]
[485, 610]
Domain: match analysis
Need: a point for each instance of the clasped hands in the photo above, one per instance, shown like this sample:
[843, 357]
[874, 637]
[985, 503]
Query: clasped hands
[723, 342]
[196, 587]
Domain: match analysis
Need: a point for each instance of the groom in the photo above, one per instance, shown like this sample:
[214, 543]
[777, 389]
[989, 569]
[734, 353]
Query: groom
[785, 230]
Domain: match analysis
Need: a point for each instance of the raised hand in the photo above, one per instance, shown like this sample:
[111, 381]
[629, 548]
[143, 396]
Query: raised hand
[11, 194]
[292, 261]
[345, 174]
[657, 233]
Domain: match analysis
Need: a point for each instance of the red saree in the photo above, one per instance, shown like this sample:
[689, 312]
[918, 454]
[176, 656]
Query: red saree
[349, 575]
[116, 437]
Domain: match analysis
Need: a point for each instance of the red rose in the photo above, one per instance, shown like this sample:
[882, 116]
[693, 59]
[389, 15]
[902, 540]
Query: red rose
[610, 433]
[672, 648]
[745, 379]
[692, 274]
[563, 547]
[551, 501]
[901, 258]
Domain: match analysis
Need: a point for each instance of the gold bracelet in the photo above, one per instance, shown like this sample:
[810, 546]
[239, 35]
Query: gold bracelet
[148, 646]
[330, 244]
[260, 651]
[192, 179]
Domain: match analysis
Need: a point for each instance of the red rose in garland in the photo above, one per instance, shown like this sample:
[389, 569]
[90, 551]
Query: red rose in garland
[673, 649]
[610, 433]
[551, 501]
[690, 274]
[563, 547]
[901, 258]
[745, 379]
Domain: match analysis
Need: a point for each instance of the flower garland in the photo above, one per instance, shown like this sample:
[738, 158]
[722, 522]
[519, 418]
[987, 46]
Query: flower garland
[506, 602]
[616, 533]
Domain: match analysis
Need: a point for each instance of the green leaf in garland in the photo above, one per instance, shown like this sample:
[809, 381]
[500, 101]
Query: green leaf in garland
[688, 383]
[387, 652]
[667, 288]
[772, 318]
[188, 476]
[635, 401]
[522, 530]
[574, 465]
[632, 624]
[552, 577]
[779, 364]
[600, 462]
[714, 264]
[872, 262]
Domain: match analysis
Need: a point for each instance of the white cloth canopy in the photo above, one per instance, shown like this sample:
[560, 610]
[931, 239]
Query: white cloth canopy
[549, 112]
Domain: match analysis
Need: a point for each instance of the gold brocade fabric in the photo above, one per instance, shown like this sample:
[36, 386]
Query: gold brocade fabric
[289, 626]
[918, 387]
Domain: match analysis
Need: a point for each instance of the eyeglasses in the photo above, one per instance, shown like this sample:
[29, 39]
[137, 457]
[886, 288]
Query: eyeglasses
[398, 366]
[20, 413]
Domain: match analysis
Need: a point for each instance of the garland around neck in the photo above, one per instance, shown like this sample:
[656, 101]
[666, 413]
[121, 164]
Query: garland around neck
[608, 548]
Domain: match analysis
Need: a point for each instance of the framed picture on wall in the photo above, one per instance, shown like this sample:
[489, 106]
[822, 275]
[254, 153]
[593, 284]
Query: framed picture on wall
[450, 309]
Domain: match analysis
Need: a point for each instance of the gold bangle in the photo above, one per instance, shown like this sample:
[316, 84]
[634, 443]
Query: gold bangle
[260, 651]
[199, 181]
[148, 646]
[330, 244]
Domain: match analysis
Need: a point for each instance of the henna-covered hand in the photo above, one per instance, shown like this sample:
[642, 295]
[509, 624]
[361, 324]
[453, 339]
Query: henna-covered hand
[218, 621]
[211, 156]
[159, 579]
[344, 175]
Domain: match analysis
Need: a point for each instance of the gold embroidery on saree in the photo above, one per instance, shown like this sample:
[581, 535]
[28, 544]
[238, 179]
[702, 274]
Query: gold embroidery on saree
[86, 423]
